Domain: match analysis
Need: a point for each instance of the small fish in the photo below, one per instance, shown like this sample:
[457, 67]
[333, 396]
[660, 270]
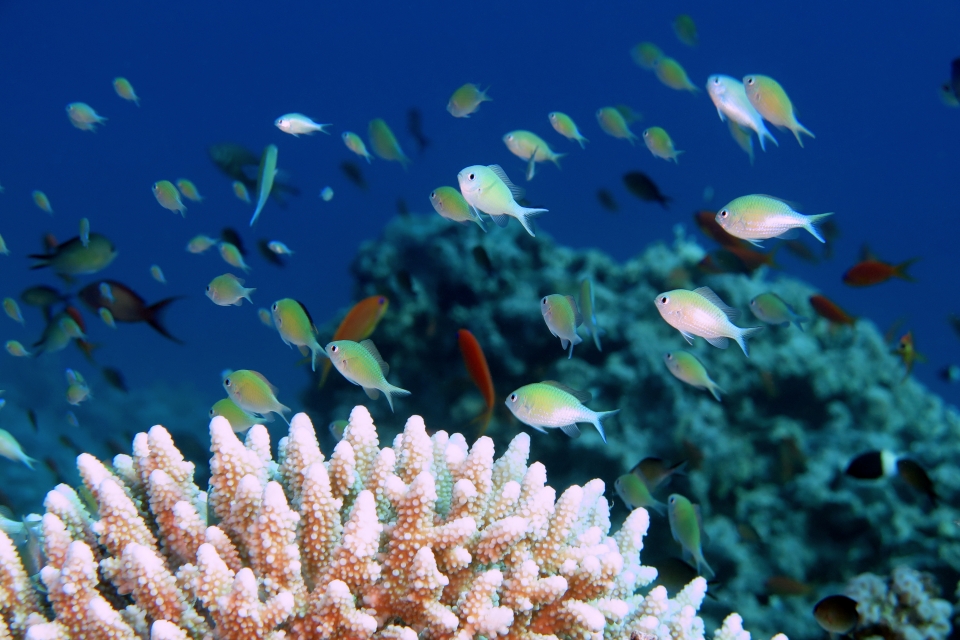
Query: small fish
[743, 138]
[232, 256]
[950, 373]
[589, 312]
[872, 465]
[948, 97]
[476, 363]
[415, 128]
[490, 190]
[157, 274]
[527, 145]
[107, 317]
[16, 349]
[4, 250]
[759, 217]
[355, 144]
[239, 419]
[670, 73]
[189, 190]
[384, 143]
[265, 317]
[106, 292]
[450, 204]
[200, 243]
[635, 494]
[769, 98]
[71, 328]
[297, 123]
[125, 90]
[562, 317]
[327, 194]
[72, 419]
[83, 117]
[908, 353]
[353, 173]
[771, 309]
[168, 197]
[41, 296]
[607, 201]
[337, 429]
[84, 232]
[917, 477]
[252, 392]
[358, 325]
[41, 200]
[227, 290]
[565, 126]
[686, 30]
[830, 310]
[785, 586]
[279, 248]
[645, 55]
[71, 258]
[296, 328]
[685, 367]
[800, 249]
[837, 614]
[730, 98]
[702, 313]
[687, 529]
[361, 364]
[660, 144]
[127, 305]
[269, 255]
[265, 176]
[630, 115]
[12, 309]
[114, 378]
[240, 190]
[656, 472]
[10, 449]
[871, 271]
[613, 124]
[466, 100]
[549, 404]
[640, 185]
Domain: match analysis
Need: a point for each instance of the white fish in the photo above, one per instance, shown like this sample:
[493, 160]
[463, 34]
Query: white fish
[731, 101]
[297, 123]
[279, 248]
[758, 217]
[490, 190]
[702, 313]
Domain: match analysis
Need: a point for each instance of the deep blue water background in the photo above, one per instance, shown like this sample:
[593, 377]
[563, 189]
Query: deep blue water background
[864, 81]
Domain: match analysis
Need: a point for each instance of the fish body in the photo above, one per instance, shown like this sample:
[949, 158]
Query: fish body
[384, 143]
[565, 126]
[673, 75]
[10, 449]
[127, 306]
[830, 310]
[769, 98]
[71, 258]
[771, 309]
[189, 190]
[125, 90]
[355, 144]
[107, 317]
[4, 250]
[730, 98]
[83, 117]
[562, 317]
[588, 309]
[636, 494]
[361, 364]
[279, 248]
[41, 296]
[640, 185]
[466, 100]
[450, 204]
[227, 290]
[12, 309]
[686, 30]
[239, 419]
[872, 271]
[16, 349]
[265, 176]
[252, 392]
[660, 144]
[240, 190]
[613, 124]
[758, 217]
[358, 325]
[488, 189]
[687, 529]
[685, 367]
[645, 55]
[548, 405]
[168, 197]
[327, 194]
[295, 326]
[41, 200]
[296, 124]
[908, 353]
[837, 614]
[527, 145]
[476, 363]
[84, 232]
[232, 256]
[702, 313]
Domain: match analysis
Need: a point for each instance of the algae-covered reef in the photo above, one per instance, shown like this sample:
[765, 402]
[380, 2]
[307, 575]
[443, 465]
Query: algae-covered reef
[765, 463]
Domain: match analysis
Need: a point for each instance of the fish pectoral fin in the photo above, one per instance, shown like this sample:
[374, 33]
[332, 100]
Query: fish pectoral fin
[719, 342]
[372, 393]
[571, 430]
[687, 336]
[500, 219]
[564, 342]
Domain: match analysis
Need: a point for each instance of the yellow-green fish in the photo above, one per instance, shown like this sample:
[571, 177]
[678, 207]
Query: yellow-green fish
[228, 290]
[488, 189]
[659, 143]
[169, 198]
[53, 338]
[449, 203]
[687, 527]
[384, 143]
[252, 392]
[240, 190]
[107, 317]
[84, 232]
[562, 317]
[239, 419]
[527, 145]
[265, 176]
[549, 404]
[10, 449]
[16, 349]
[77, 389]
[686, 30]
[565, 126]
[107, 292]
[297, 123]
[743, 137]
[12, 309]
[730, 98]
[296, 328]
[612, 123]
[83, 117]
[189, 190]
[265, 317]
[355, 144]
[686, 368]
[71, 258]
[466, 100]
[41, 200]
[279, 248]
[646, 55]
[70, 327]
[635, 494]
[200, 243]
[588, 309]
[759, 217]
[157, 274]
[4, 250]
[702, 313]
[232, 256]
[361, 364]
[337, 429]
[670, 73]
[771, 308]
[125, 90]
[769, 98]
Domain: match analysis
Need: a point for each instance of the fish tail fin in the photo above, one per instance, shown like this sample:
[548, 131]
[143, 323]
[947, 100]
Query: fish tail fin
[703, 568]
[556, 159]
[600, 417]
[715, 390]
[391, 391]
[900, 270]
[811, 225]
[327, 365]
[256, 214]
[799, 320]
[581, 140]
[798, 129]
[153, 316]
[659, 507]
[595, 330]
[524, 217]
[764, 133]
[27, 460]
[676, 154]
[632, 139]
[483, 419]
[747, 332]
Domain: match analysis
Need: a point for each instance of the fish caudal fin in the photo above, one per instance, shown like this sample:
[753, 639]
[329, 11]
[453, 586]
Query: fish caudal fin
[598, 419]
[764, 133]
[900, 270]
[811, 225]
[556, 159]
[153, 315]
[746, 332]
[524, 214]
[391, 391]
[715, 390]
[799, 320]
[798, 128]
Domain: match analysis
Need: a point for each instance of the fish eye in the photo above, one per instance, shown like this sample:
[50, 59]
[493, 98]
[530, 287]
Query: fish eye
[433, 195]
[723, 214]
[334, 349]
[208, 287]
[672, 500]
[544, 301]
[513, 397]
[471, 176]
[211, 413]
[226, 382]
[749, 80]
[664, 299]
[381, 300]
[669, 356]
[275, 306]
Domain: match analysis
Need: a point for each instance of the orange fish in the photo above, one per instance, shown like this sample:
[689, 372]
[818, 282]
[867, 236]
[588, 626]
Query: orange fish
[751, 258]
[786, 586]
[358, 325]
[86, 347]
[908, 353]
[480, 373]
[707, 223]
[871, 271]
[828, 309]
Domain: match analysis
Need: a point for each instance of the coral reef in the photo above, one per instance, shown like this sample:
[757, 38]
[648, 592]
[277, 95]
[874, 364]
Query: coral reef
[430, 538]
[905, 606]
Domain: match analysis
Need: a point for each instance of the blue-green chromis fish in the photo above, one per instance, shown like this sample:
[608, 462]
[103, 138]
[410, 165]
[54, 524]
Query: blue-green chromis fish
[685, 367]
[491, 191]
[565, 126]
[252, 392]
[612, 122]
[16, 349]
[466, 100]
[562, 317]
[758, 217]
[645, 55]
[296, 328]
[660, 144]
[227, 290]
[686, 30]
[702, 313]
[384, 143]
[361, 364]
[239, 419]
[189, 190]
[265, 176]
[296, 124]
[588, 309]
[355, 144]
[635, 493]
[107, 317]
[450, 204]
[730, 99]
[549, 405]
[687, 528]
[527, 145]
[10, 449]
[157, 273]
[168, 197]
[12, 309]
[771, 308]
[769, 98]
[71, 258]
[232, 256]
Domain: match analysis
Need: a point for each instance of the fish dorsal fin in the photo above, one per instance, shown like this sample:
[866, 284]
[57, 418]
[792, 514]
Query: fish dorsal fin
[582, 396]
[236, 279]
[372, 350]
[714, 299]
[866, 253]
[307, 313]
[577, 316]
[272, 388]
[790, 203]
[515, 191]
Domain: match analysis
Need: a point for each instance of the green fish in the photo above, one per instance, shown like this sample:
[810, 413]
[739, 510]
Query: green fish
[227, 290]
[646, 55]
[73, 259]
[12, 309]
[687, 528]
[758, 217]
[686, 30]
[232, 256]
[527, 145]
[239, 419]
[384, 143]
[265, 176]
[488, 189]
[355, 144]
[770, 308]
[768, 97]
[16, 349]
[686, 368]
[466, 100]
[562, 317]
[252, 392]
[448, 202]
[549, 404]
[168, 197]
[361, 364]
[296, 328]
[337, 429]
[10, 449]
[702, 313]
[589, 311]
[613, 123]
[659, 143]
[635, 494]
[670, 73]
[565, 126]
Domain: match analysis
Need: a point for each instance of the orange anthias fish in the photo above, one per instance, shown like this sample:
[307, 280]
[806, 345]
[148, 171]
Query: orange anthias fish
[828, 309]
[908, 353]
[358, 325]
[871, 271]
[480, 373]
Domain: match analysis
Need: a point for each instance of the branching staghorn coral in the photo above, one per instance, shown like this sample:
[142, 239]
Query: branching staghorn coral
[429, 538]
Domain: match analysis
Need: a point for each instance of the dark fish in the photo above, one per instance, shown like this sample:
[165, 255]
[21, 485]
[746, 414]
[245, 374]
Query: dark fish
[268, 255]
[229, 234]
[871, 465]
[402, 207]
[70, 444]
[606, 200]
[71, 258]
[749, 258]
[644, 188]
[127, 306]
[353, 173]
[32, 417]
[482, 258]
[629, 115]
[916, 476]
[239, 163]
[54, 469]
[706, 221]
[748, 534]
[955, 77]
[415, 127]
[114, 378]
[950, 373]
[830, 310]
[656, 472]
[953, 319]
[786, 586]
[41, 296]
[836, 614]
[800, 249]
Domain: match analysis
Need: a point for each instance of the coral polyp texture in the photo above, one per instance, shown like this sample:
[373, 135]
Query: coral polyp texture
[428, 538]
